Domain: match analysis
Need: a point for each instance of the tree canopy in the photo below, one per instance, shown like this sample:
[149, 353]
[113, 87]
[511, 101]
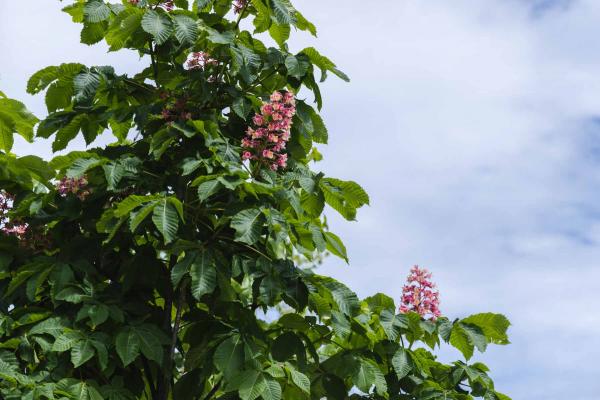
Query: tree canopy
[178, 261]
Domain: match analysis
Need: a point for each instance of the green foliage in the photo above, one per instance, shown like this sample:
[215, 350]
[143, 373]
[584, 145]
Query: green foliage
[154, 283]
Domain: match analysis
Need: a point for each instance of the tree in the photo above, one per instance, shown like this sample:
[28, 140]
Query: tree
[169, 264]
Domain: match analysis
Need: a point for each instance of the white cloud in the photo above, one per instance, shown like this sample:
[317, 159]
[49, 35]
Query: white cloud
[471, 124]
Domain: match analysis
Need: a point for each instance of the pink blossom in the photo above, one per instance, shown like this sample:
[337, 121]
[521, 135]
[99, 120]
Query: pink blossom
[247, 155]
[268, 154]
[266, 141]
[167, 5]
[239, 5]
[267, 110]
[276, 97]
[419, 294]
[7, 226]
[200, 60]
[134, 2]
[76, 186]
[258, 120]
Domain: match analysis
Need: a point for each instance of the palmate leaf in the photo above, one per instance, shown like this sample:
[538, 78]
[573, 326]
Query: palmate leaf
[248, 225]
[44, 77]
[253, 384]
[367, 375]
[86, 84]
[96, 11]
[299, 379]
[229, 356]
[81, 352]
[402, 363]
[128, 345]
[207, 189]
[165, 219]
[123, 27]
[272, 390]
[14, 118]
[344, 196]
[67, 133]
[93, 33]
[283, 11]
[158, 24]
[78, 390]
[324, 64]
[494, 326]
[280, 33]
[204, 274]
[461, 341]
[58, 96]
[335, 245]
[186, 29]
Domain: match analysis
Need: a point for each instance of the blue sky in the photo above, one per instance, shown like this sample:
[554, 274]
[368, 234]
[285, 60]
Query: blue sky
[474, 126]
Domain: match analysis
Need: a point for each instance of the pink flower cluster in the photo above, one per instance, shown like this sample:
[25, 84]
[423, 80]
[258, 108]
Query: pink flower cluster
[76, 186]
[268, 139]
[134, 2]
[420, 295]
[7, 227]
[239, 5]
[200, 60]
[167, 5]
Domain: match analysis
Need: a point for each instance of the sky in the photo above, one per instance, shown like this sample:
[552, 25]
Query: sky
[475, 127]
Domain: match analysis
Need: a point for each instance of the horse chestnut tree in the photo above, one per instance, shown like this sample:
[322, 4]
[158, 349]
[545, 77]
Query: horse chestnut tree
[170, 264]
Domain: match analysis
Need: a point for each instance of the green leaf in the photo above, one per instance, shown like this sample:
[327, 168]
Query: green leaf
[296, 67]
[66, 134]
[392, 323]
[460, 340]
[92, 33]
[335, 245]
[253, 384]
[186, 29]
[272, 390]
[324, 63]
[304, 25]
[58, 96]
[66, 341]
[150, 344]
[494, 326]
[158, 24]
[14, 118]
[207, 189]
[96, 11]
[279, 33]
[139, 216]
[204, 275]
[364, 376]
[41, 79]
[123, 27]
[248, 225]
[300, 380]
[402, 363]
[283, 11]
[242, 107]
[86, 84]
[128, 345]
[344, 196]
[165, 219]
[82, 352]
[201, 4]
[475, 335]
[229, 356]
